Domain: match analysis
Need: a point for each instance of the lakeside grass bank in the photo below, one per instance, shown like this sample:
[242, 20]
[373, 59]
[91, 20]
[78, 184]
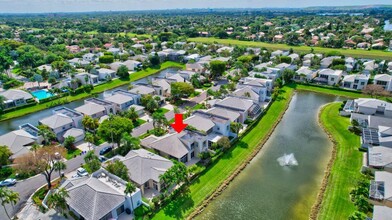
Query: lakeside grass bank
[97, 89]
[214, 179]
[358, 53]
[333, 201]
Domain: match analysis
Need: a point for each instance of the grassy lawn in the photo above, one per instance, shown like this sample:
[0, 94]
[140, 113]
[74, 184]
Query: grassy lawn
[123, 34]
[138, 122]
[346, 168]
[333, 91]
[97, 89]
[162, 110]
[375, 54]
[212, 177]
[72, 153]
[197, 106]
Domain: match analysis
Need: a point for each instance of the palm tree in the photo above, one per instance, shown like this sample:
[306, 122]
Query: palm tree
[159, 121]
[90, 156]
[8, 196]
[130, 142]
[57, 200]
[89, 138]
[132, 114]
[236, 127]
[129, 189]
[90, 123]
[46, 134]
[59, 166]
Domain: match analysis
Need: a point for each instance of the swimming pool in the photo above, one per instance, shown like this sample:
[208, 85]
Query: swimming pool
[42, 94]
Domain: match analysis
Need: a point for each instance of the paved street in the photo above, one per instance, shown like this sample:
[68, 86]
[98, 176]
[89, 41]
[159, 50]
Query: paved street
[27, 187]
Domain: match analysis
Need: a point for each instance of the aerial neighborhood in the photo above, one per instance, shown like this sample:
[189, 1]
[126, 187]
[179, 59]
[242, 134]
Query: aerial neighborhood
[91, 115]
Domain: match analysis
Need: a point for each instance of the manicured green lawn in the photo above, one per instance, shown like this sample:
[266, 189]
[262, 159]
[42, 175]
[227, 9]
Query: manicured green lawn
[138, 122]
[332, 91]
[375, 54]
[72, 153]
[346, 168]
[162, 110]
[212, 177]
[97, 89]
[197, 106]
[123, 34]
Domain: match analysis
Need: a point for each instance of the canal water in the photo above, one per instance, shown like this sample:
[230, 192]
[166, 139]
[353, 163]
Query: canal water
[13, 124]
[267, 190]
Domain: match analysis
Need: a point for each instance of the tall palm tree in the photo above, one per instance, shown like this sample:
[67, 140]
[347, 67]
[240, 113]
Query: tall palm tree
[89, 138]
[8, 196]
[132, 114]
[59, 166]
[90, 156]
[57, 200]
[130, 142]
[236, 127]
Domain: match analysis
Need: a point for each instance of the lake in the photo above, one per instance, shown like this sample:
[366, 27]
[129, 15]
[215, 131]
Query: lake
[267, 190]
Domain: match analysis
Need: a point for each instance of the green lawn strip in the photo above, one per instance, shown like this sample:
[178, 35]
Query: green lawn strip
[97, 89]
[336, 203]
[332, 91]
[197, 107]
[162, 110]
[375, 54]
[204, 185]
[72, 153]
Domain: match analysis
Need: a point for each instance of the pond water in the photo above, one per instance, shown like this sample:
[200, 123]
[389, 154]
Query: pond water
[282, 181]
[13, 124]
[387, 26]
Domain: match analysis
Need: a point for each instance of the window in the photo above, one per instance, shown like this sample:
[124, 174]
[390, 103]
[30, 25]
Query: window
[383, 83]
[362, 83]
[120, 210]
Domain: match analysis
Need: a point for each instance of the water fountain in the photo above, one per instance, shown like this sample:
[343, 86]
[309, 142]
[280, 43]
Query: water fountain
[287, 160]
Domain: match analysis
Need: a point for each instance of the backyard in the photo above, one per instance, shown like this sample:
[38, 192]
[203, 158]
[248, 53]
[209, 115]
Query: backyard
[213, 177]
[336, 203]
[374, 54]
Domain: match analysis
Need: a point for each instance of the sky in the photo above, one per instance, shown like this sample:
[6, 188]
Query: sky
[38, 6]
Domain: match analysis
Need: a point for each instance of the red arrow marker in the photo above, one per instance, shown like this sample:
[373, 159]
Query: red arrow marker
[178, 124]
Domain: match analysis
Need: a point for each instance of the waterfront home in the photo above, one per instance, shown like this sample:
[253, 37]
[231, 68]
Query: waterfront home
[329, 76]
[143, 89]
[77, 133]
[248, 92]
[233, 116]
[381, 136]
[260, 86]
[187, 75]
[58, 124]
[15, 97]
[379, 158]
[87, 78]
[165, 88]
[380, 190]
[370, 106]
[121, 102]
[283, 66]
[370, 121]
[384, 80]
[18, 141]
[136, 97]
[327, 61]
[132, 65]
[183, 147]
[369, 66]
[305, 74]
[96, 108]
[144, 170]
[245, 107]
[207, 124]
[105, 74]
[355, 81]
[175, 77]
[382, 212]
[100, 196]
[138, 108]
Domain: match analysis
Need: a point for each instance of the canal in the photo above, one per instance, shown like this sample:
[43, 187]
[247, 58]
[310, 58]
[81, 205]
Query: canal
[13, 124]
[267, 190]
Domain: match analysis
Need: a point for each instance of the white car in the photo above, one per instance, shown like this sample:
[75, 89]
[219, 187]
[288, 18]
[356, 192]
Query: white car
[8, 182]
[81, 172]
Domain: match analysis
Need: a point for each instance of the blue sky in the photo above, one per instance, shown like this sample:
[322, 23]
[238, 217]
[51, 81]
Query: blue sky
[33, 6]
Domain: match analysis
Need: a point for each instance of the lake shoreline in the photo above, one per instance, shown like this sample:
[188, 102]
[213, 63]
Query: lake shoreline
[243, 165]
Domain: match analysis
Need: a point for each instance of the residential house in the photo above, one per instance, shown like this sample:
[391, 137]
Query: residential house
[233, 116]
[283, 66]
[382, 136]
[138, 108]
[165, 88]
[183, 147]
[379, 158]
[370, 106]
[246, 107]
[248, 92]
[355, 81]
[100, 196]
[78, 62]
[143, 90]
[329, 76]
[225, 48]
[77, 133]
[350, 63]
[195, 67]
[105, 74]
[19, 141]
[136, 97]
[132, 65]
[277, 53]
[96, 108]
[90, 57]
[87, 78]
[145, 168]
[121, 102]
[208, 124]
[305, 74]
[327, 61]
[294, 57]
[263, 87]
[15, 97]
[369, 66]
[380, 192]
[383, 80]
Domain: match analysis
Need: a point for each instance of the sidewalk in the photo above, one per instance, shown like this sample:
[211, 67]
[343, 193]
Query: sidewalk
[30, 211]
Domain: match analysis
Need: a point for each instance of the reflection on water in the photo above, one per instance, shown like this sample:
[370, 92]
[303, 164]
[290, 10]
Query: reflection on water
[265, 189]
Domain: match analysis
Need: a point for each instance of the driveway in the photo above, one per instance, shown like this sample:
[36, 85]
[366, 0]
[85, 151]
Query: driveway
[27, 187]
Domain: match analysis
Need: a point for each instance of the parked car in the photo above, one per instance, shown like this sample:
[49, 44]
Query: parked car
[81, 172]
[105, 150]
[8, 182]
[102, 159]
